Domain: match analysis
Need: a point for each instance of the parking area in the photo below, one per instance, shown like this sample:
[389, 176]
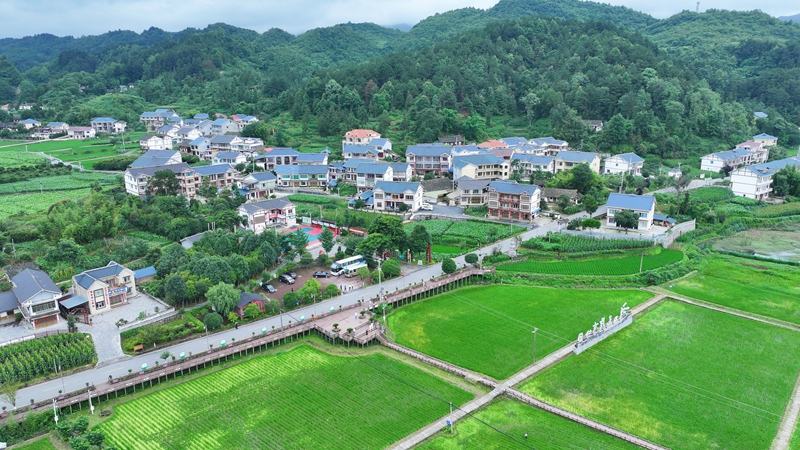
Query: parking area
[344, 283]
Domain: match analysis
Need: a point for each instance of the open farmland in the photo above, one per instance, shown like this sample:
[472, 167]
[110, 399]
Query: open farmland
[684, 377]
[41, 444]
[608, 265]
[13, 159]
[299, 399]
[570, 243]
[35, 202]
[67, 150]
[759, 287]
[465, 234]
[488, 329]
[58, 183]
[783, 243]
[785, 209]
[503, 424]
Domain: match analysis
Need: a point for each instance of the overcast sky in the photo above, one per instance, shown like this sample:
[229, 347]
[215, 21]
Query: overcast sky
[88, 17]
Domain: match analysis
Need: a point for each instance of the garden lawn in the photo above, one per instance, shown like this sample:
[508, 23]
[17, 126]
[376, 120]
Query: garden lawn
[299, 399]
[41, 444]
[489, 329]
[682, 376]
[510, 420]
[609, 265]
[749, 285]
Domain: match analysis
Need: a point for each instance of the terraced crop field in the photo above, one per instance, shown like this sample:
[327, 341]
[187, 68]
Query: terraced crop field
[35, 203]
[488, 329]
[300, 399]
[610, 266]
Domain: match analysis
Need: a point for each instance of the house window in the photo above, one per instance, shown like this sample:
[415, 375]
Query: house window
[43, 307]
[98, 293]
[126, 279]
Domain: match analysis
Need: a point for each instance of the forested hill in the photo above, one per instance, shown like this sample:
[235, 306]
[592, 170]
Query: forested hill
[536, 68]
[794, 18]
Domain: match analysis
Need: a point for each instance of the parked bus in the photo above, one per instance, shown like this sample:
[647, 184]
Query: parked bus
[347, 265]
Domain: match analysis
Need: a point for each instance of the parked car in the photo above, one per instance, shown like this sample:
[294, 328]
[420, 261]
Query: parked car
[321, 274]
[269, 288]
[285, 278]
[426, 207]
[291, 274]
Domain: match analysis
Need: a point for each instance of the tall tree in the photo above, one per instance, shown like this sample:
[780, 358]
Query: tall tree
[163, 182]
[626, 219]
[223, 297]
[326, 239]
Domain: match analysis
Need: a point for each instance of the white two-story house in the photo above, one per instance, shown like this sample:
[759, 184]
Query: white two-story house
[627, 163]
[643, 206]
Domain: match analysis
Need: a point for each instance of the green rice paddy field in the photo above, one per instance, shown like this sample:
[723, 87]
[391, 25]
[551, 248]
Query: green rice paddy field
[609, 265]
[489, 329]
[503, 424]
[682, 376]
[764, 288]
[300, 399]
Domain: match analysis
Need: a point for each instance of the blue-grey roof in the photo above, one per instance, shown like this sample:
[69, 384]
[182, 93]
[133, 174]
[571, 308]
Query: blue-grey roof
[148, 271]
[301, 170]
[262, 176]
[175, 118]
[576, 157]
[74, 301]
[353, 163]
[400, 167]
[220, 122]
[378, 142]
[366, 196]
[150, 114]
[514, 141]
[337, 165]
[469, 148]
[358, 149]
[192, 122]
[428, 149]
[214, 169]
[199, 141]
[311, 157]
[8, 301]
[282, 151]
[246, 298]
[31, 121]
[396, 187]
[477, 160]
[222, 139]
[662, 217]
[103, 119]
[56, 124]
[633, 202]
[761, 115]
[201, 116]
[532, 159]
[160, 153]
[275, 203]
[243, 117]
[87, 278]
[764, 136]
[731, 155]
[630, 158]
[372, 168]
[512, 187]
[549, 140]
[227, 155]
[147, 161]
[163, 110]
[769, 168]
[136, 172]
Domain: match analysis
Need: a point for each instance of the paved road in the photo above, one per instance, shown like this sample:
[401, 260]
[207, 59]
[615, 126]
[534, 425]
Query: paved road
[99, 374]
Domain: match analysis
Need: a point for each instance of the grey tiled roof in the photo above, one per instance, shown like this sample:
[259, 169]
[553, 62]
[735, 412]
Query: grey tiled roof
[30, 282]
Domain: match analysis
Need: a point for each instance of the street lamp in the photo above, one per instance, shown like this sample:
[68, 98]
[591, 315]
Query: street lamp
[534, 344]
[55, 411]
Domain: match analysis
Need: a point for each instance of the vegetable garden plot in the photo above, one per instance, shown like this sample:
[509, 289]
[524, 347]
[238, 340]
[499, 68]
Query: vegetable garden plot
[30, 359]
[302, 399]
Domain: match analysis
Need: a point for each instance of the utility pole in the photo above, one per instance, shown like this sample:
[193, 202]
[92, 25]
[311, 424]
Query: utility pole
[534, 344]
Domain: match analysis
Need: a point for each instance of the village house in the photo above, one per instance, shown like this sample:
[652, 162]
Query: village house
[367, 174]
[627, 163]
[426, 158]
[136, 178]
[550, 145]
[200, 147]
[350, 166]
[265, 214]
[567, 160]
[551, 195]
[247, 145]
[151, 142]
[104, 287]
[188, 133]
[350, 151]
[243, 120]
[401, 171]
[108, 125]
[257, 185]
[81, 132]
[514, 141]
[42, 133]
[223, 176]
[755, 181]
[595, 126]
[472, 192]
[205, 127]
[315, 177]
[528, 164]
[224, 126]
[389, 195]
[452, 140]
[480, 167]
[157, 158]
[728, 160]
[58, 127]
[277, 156]
[643, 206]
[766, 139]
[30, 123]
[360, 137]
[318, 159]
[511, 200]
[466, 150]
[232, 158]
[493, 143]
[35, 296]
[249, 298]
[170, 130]
[159, 118]
[383, 146]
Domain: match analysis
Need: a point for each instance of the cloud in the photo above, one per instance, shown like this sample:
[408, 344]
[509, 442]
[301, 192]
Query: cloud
[90, 17]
